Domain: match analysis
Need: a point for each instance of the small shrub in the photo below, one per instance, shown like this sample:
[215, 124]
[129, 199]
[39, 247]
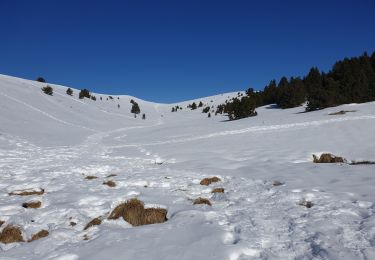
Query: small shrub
[26, 192]
[200, 104]
[40, 79]
[93, 98]
[72, 223]
[202, 201]
[94, 222]
[69, 92]
[1, 222]
[11, 234]
[32, 204]
[218, 190]
[206, 110]
[135, 109]
[39, 235]
[48, 90]
[110, 184]
[328, 158]
[110, 97]
[208, 181]
[143, 116]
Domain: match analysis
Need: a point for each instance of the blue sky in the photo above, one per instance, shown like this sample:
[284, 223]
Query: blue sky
[169, 51]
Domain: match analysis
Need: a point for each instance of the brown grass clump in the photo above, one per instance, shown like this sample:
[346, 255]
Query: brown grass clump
[218, 190]
[32, 204]
[39, 235]
[85, 237]
[110, 183]
[1, 222]
[361, 162]
[90, 177]
[11, 234]
[202, 201]
[94, 222]
[328, 158]
[27, 192]
[208, 181]
[341, 112]
[111, 175]
[134, 212]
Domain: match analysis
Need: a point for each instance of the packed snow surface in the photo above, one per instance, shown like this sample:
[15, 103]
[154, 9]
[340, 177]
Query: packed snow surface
[54, 142]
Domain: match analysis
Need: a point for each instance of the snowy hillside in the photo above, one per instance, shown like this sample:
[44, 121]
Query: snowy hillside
[53, 143]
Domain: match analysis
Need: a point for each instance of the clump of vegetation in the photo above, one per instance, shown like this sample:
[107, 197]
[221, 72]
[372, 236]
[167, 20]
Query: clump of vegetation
[84, 93]
[208, 181]
[32, 204]
[341, 112]
[176, 108]
[218, 190]
[69, 92]
[26, 192]
[93, 98]
[39, 235]
[200, 104]
[202, 201]
[133, 212]
[41, 79]
[90, 177]
[328, 158]
[11, 234]
[110, 183]
[1, 222]
[93, 222]
[48, 90]
[111, 175]
[361, 162]
[144, 116]
[206, 110]
[72, 223]
[240, 108]
[277, 183]
[135, 108]
[306, 203]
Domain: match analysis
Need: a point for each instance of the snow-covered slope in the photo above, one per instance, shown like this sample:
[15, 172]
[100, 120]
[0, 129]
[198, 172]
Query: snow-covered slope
[53, 142]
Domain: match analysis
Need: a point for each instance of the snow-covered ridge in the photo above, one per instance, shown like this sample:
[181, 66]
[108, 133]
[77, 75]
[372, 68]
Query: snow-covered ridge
[52, 143]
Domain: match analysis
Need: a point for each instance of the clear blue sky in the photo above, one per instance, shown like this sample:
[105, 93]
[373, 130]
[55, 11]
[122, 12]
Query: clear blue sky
[170, 51]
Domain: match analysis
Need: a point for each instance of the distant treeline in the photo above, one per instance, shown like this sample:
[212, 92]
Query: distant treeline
[349, 81]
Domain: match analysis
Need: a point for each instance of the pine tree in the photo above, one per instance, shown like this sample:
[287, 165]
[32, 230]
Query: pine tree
[84, 93]
[48, 90]
[40, 79]
[193, 106]
[69, 92]
[135, 109]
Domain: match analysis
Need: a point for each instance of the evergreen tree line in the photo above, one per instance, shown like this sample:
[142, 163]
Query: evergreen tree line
[351, 80]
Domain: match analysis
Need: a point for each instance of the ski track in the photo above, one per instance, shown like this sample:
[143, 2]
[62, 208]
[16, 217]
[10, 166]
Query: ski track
[254, 129]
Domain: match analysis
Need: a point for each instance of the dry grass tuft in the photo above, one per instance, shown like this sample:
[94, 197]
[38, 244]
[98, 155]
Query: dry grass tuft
[361, 162]
[110, 183]
[306, 203]
[218, 190]
[134, 212]
[328, 158]
[11, 234]
[26, 192]
[94, 222]
[277, 183]
[341, 112]
[208, 181]
[111, 175]
[202, 201]
[39, 235]
[90, 177]
[32, 204]
[85, 237]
